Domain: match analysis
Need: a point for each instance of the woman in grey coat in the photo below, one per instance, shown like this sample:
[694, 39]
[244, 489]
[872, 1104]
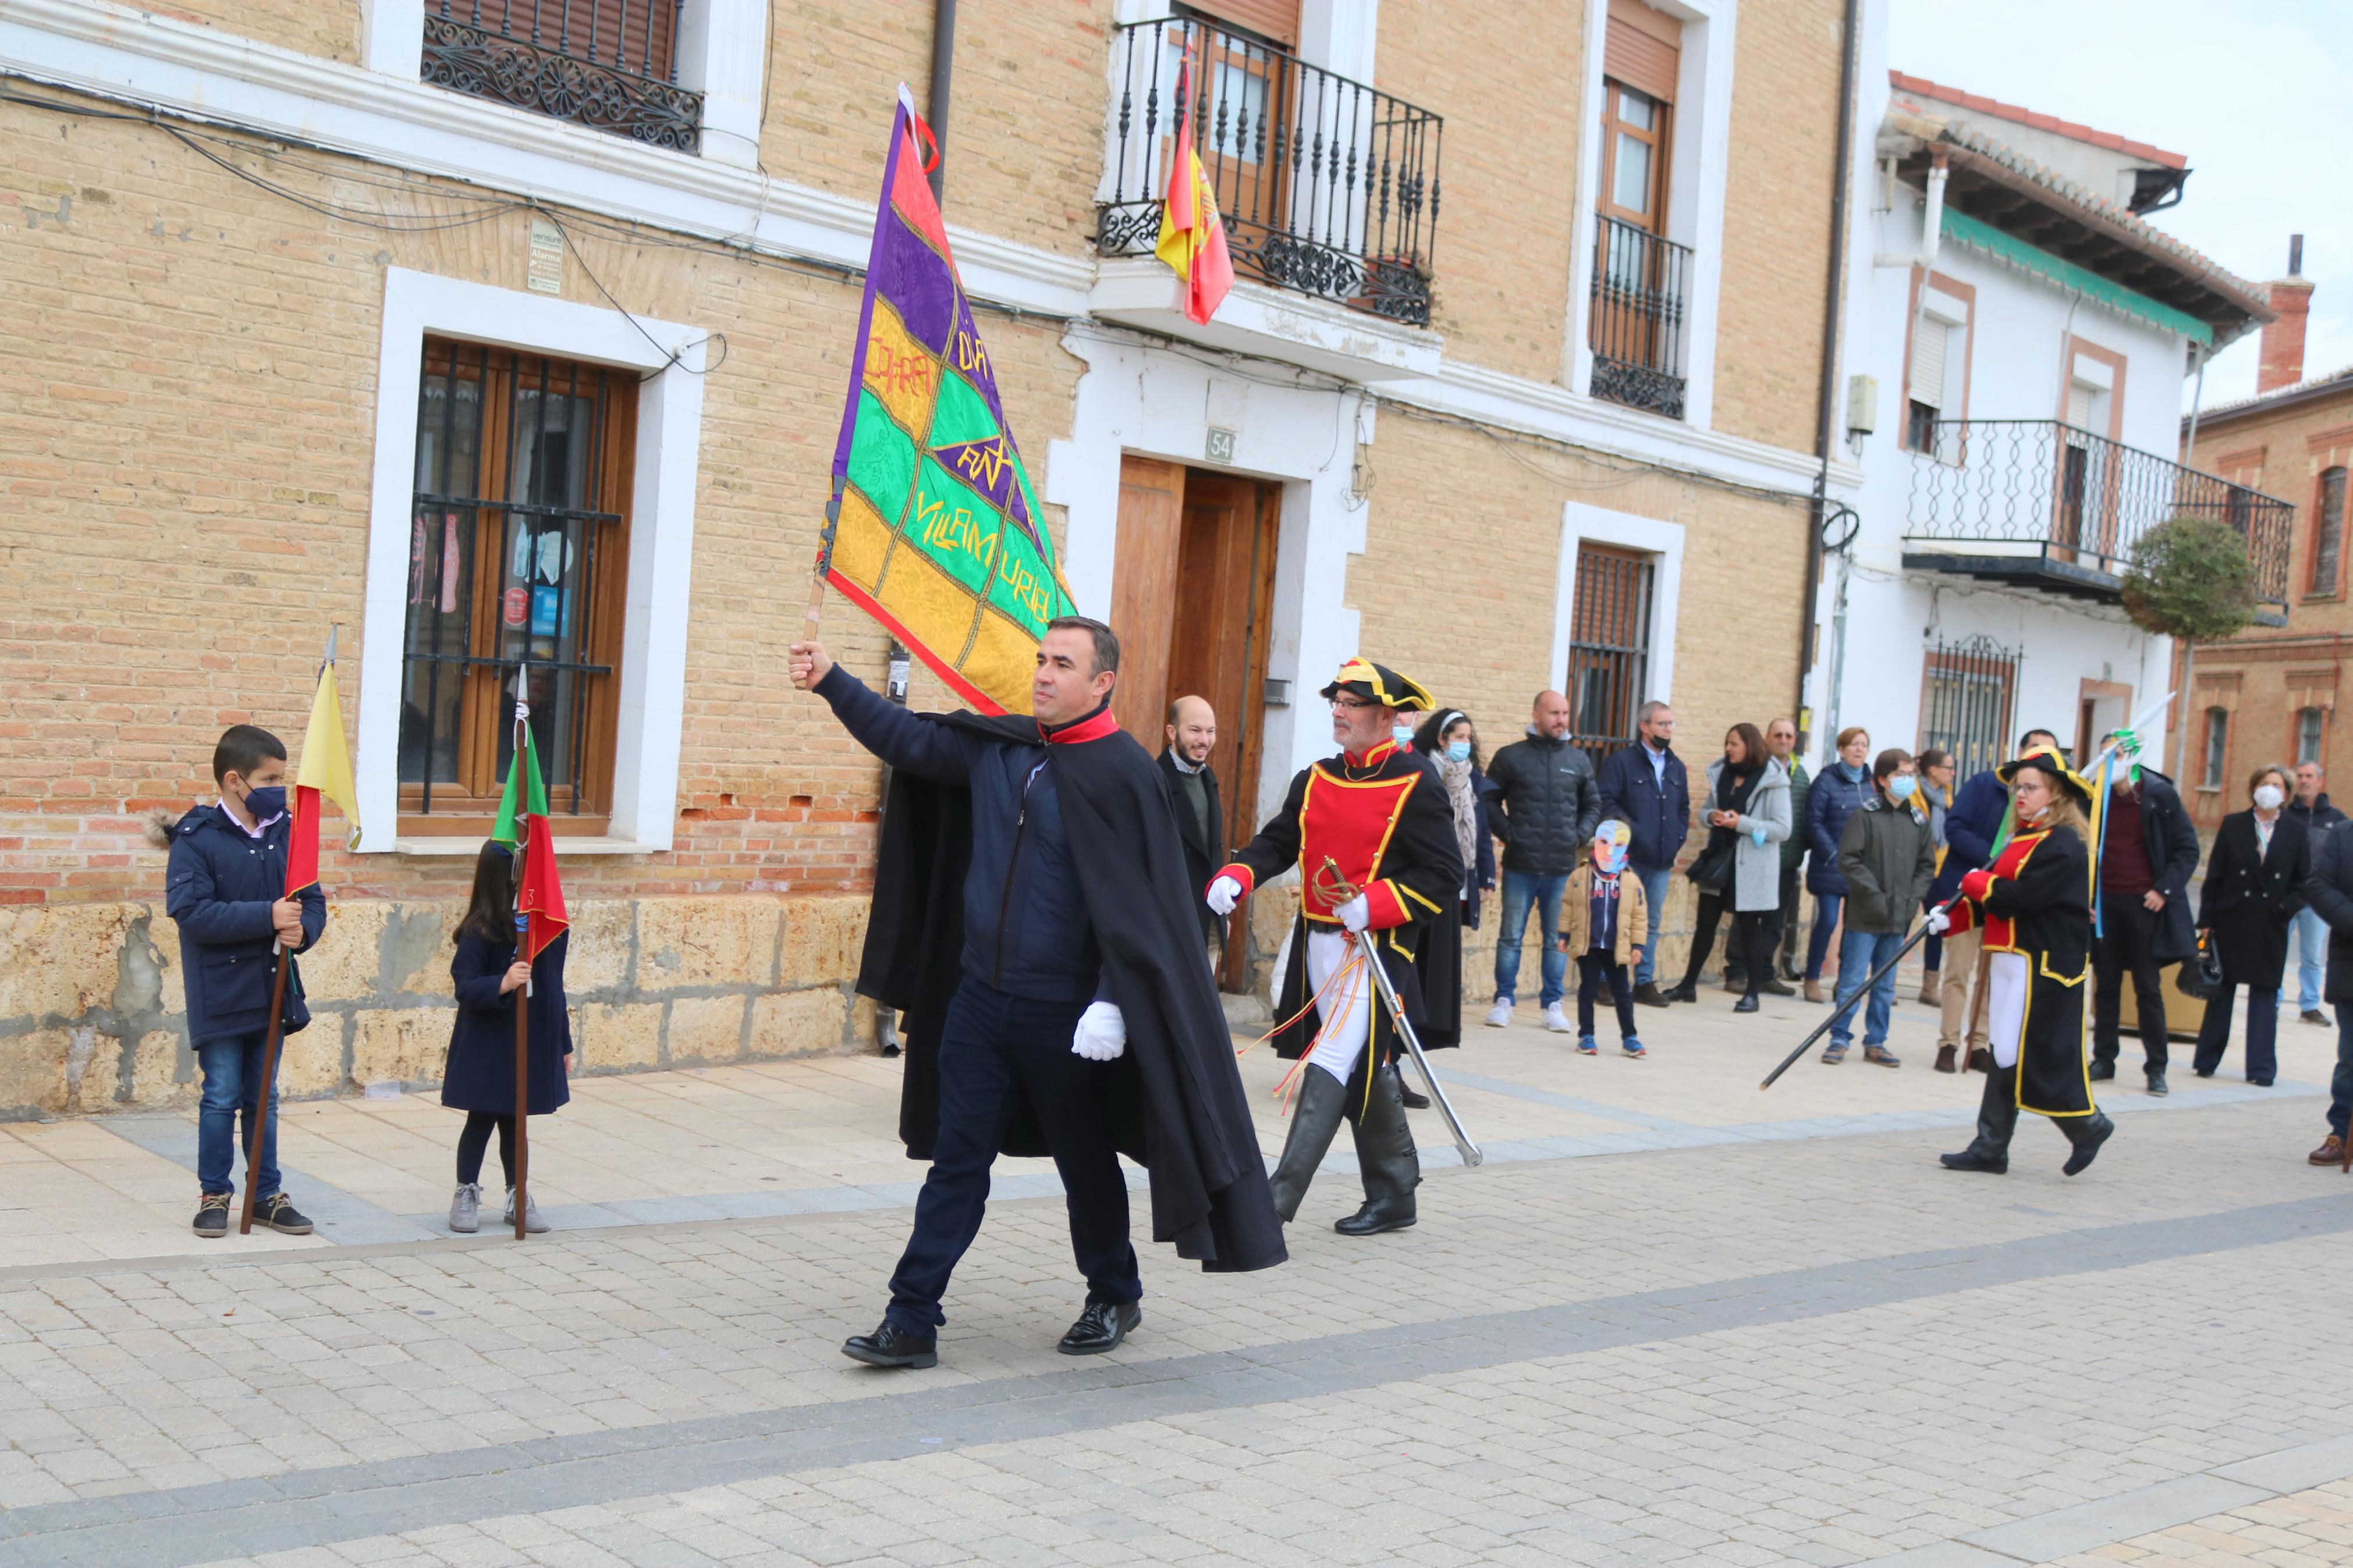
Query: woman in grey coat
[1740, 868]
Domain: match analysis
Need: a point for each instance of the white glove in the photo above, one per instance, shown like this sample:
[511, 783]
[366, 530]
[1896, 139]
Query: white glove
[1103, 1033]
[1223, 892]
[1939, 923]
[1355, 914]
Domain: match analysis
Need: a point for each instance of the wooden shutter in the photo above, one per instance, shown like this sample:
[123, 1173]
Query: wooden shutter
[1931, 340]
[1643, 49]
[1277, 21]
[2079, 405]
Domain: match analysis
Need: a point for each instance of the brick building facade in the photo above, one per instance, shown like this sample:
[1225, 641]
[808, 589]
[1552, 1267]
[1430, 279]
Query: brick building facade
[249, 255]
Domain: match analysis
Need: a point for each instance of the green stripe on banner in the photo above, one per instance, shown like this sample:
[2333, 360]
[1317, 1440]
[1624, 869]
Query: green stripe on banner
[1963, 230]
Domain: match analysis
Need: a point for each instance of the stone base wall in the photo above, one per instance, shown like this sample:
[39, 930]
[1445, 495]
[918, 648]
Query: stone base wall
[93, 1013]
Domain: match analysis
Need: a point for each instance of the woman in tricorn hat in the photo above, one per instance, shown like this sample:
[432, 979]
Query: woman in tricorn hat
[2033, 904]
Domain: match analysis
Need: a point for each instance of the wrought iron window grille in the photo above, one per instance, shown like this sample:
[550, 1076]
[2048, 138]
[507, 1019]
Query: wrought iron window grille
[1327, 186]
[1639, 311]
[609, 65]
[2037, 493]
[1968, 687]
[1609, 650]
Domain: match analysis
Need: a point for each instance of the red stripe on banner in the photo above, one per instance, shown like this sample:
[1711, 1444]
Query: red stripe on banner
[540, 897]
[302, 841]
[932, 661]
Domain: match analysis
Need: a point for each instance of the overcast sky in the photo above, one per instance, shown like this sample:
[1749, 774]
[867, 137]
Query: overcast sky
[2249, 91]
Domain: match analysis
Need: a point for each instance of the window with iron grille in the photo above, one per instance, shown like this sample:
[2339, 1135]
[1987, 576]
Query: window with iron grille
[1609, 648]
[518, 562]
[2307, 735]
[610, 65]
[1967, 689]
[2328, 532]
[2217, 745]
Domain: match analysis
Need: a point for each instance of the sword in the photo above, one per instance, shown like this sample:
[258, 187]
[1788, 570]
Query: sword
[1387, 990]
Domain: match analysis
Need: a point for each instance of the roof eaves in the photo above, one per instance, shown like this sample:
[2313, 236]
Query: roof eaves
[2311, 387]
[2050, 122]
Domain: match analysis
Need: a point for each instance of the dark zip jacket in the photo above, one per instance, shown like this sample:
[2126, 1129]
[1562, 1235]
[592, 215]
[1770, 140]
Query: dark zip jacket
[1551, 804]
[1026, 929]
[218, 887]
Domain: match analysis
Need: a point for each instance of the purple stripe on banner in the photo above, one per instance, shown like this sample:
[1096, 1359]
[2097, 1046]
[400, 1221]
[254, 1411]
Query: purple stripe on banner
[915, 278]
[884, 220]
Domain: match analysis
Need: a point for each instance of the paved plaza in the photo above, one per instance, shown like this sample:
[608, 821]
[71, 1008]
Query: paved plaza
[1672, 1319]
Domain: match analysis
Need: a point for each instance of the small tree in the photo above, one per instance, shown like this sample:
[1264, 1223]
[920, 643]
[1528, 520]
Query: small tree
[2191, 578]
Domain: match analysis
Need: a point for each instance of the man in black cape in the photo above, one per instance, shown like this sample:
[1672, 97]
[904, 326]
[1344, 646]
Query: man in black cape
[1033, 916]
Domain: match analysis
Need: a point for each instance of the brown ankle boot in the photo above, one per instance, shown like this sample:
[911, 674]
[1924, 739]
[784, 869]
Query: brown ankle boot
[1981, 1060]
[1930, 988]
[1814, 991]
[1945, 1055]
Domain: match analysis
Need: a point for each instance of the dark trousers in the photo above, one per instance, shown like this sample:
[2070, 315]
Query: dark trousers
[2262, 1031]
[2126, 940]
[1594, 970]
[1785, 921]
[2340, 1085]
[474, 1141]
[1748, 948]
[1817, 944]
[994, 1049]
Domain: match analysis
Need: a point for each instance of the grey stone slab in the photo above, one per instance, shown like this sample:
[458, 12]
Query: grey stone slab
[2067, 1530]
[340, 1217]
[2295, 1470]
[1946, 1554]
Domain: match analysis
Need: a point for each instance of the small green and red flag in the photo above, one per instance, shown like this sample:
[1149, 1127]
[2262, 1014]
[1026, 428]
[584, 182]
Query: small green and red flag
[523, 826]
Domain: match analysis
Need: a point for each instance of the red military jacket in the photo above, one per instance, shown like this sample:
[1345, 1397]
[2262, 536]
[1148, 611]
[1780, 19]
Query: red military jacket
[1379, 824]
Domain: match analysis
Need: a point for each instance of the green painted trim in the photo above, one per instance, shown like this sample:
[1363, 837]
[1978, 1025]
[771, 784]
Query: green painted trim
[1961, 228]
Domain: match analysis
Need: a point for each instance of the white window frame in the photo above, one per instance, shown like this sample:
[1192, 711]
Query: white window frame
[1698, 166]
[1951, 313]
[651, 710]
[722, 54]
[1663, 542]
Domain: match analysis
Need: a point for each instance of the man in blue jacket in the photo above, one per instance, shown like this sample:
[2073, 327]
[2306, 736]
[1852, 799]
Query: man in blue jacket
[1644, 787]
[225, 886]
[1970, 825]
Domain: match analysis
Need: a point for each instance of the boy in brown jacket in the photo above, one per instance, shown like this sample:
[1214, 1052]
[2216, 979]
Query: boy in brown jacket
[1604, 921]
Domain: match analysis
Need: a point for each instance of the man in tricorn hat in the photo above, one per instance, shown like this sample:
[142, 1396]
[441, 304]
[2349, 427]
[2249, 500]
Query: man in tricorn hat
[2034, 906]
[1373, 836]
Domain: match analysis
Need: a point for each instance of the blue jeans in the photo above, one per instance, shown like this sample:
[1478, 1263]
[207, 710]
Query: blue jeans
[2311, 958]
[2340, 1086]
[1818, 945]
[1523, 889]
[1859, 954]
[1654, 894]
[232, 1070]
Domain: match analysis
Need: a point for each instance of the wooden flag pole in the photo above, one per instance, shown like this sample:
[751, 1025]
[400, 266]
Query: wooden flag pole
[521, 1198]
[262, 1094]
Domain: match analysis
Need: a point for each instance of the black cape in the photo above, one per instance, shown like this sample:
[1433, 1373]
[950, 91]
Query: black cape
[1175, 1102]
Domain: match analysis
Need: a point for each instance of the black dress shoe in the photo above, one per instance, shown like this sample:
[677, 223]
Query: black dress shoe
[2102, 1071]
[1972, 1160]
[892, 1345]
[2157, 1084]
[1686, 992]
[1649, 995]
[1775, 988]
[1101, 1328]
[1376, 1217]
[1746, 1003]
[1406, 1094]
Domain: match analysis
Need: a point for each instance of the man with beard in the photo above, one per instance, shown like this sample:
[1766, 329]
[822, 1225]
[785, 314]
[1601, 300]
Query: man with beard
[1033, 916]
[1192, 732]
[1373, 836]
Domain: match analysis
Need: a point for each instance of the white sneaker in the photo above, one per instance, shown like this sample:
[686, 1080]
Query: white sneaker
[1499, 1017]
[532, 1224]
[1556, 1021]
[465, 1208]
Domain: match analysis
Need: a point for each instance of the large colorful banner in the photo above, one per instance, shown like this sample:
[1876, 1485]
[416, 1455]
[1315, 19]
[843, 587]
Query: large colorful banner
[934, 530]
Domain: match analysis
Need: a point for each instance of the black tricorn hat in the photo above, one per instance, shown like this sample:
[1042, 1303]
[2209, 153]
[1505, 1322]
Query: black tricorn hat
[1379, 683]
[2047, 760]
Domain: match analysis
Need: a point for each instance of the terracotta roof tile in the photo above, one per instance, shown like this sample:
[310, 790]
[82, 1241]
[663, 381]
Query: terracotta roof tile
[2050, 122]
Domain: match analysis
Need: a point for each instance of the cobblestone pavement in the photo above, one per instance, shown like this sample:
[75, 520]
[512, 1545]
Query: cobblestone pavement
[1670, 1321]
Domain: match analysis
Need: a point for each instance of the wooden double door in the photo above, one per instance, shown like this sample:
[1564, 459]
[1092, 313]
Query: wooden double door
[1192, 600]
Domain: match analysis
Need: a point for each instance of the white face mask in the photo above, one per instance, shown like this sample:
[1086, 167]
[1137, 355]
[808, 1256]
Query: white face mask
[2268, 798]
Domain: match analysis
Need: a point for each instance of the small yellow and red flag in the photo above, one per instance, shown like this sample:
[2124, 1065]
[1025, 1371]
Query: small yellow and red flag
[1192, 236]
[325, 774]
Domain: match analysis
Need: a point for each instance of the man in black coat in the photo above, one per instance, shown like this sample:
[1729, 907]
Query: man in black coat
[1550, 806]
[1192, 731]
[2328, 891]
[2148, 853]
[1644, 787]
[2311, 806]
[1033, 916]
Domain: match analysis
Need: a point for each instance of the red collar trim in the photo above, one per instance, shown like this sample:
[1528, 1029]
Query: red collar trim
[1373, 757]
[1094, 727]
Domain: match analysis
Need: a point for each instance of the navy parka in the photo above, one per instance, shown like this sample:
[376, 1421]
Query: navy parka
[217, 888]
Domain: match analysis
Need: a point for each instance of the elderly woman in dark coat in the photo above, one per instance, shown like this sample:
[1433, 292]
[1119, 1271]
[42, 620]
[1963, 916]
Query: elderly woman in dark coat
[1451, 743]
[480, 1076]
[2254, 885]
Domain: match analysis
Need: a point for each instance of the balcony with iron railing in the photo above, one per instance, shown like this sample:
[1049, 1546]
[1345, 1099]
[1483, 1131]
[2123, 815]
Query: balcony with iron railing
[609, 65]
[2038, 504]
[1639, 312]
[1326, 187]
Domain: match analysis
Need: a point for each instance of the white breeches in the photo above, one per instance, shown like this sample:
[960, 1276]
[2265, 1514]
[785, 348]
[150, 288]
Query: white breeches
[1347, 1010]
[2007, 978]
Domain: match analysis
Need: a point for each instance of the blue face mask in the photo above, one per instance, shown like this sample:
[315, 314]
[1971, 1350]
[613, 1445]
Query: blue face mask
[1458, 751]
[1900, 785]
[1402, 734]
[265, 802]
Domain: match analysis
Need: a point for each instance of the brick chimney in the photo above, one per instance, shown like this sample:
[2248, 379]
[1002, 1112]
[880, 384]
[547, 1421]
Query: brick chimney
[2282, 342]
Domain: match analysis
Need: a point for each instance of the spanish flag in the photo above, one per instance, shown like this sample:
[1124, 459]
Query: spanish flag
[325, 774]
[1192, 237]
[539, 893]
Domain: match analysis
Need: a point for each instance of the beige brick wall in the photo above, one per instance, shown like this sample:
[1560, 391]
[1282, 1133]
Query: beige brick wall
[1776, 222]
[327, 29]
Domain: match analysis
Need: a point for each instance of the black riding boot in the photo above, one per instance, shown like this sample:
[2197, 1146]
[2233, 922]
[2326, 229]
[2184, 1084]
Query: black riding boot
[1997, 1119]
[1314, 1118]
[2086, 1133]
[1386, 1156]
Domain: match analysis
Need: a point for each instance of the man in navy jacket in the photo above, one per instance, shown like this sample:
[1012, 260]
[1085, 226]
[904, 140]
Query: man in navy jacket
[225, 887]
[1970, 825]
[1644, 787]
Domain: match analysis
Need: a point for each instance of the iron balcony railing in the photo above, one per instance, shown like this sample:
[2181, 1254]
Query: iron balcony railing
[1326, 185]
[1641, 291]
[2037, 489]
[610, 65]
